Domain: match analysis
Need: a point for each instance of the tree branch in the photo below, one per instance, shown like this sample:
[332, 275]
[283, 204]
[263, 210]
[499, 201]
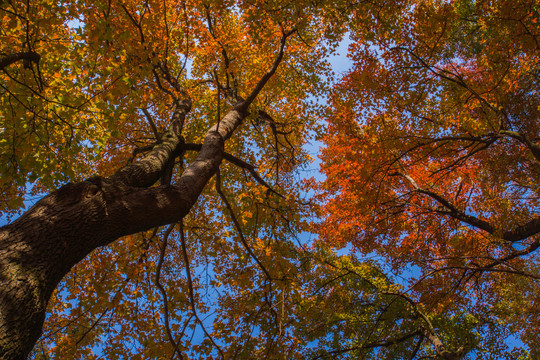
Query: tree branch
[521, 232]
[451, 210]
[191, 292]
[245, 104]
[27, 58]
[164, 293]
[534, 148]
[238, 162]
[238, 228]
[152, 124]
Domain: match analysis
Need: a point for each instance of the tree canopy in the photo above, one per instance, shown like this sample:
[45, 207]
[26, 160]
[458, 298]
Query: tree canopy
[173, 138]
[432, 154]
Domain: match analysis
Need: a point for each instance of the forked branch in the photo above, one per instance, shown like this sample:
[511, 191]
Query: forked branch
[519, 233]
[240, 163]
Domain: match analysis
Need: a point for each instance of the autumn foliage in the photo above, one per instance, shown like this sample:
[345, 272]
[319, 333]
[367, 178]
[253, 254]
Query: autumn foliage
[432, 157]
[419, 243]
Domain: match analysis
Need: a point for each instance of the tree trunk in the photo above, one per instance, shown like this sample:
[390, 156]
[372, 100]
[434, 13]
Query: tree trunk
[38, 249]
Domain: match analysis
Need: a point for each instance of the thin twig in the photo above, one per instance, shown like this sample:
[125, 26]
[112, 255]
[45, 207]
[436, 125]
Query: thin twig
[152, 123]
[94, 324]
[237, 226]
[191, 292]
[164, 293]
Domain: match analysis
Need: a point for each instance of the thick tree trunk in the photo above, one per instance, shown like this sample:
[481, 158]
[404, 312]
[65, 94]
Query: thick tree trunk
[38, 249]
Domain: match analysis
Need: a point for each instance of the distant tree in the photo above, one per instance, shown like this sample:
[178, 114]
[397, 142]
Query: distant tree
[432, 154]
